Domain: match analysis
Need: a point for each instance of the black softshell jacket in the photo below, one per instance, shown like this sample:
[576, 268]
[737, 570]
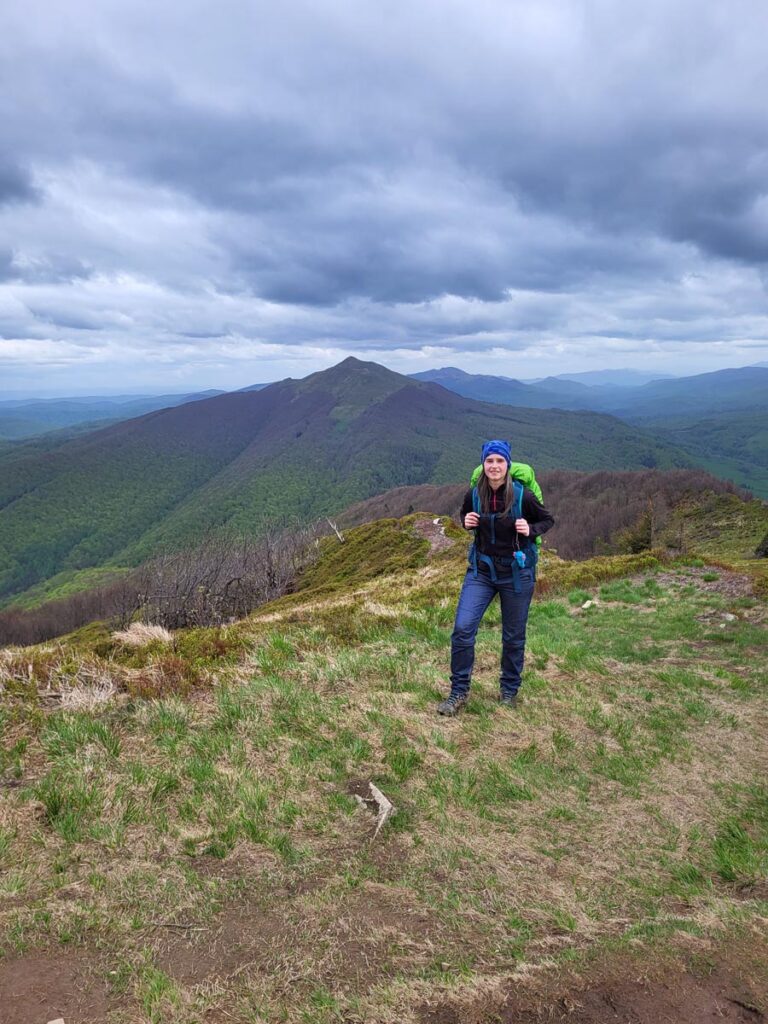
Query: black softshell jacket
[539, 519]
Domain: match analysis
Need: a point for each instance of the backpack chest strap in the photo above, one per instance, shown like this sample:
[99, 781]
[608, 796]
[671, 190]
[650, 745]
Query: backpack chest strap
[515, 509]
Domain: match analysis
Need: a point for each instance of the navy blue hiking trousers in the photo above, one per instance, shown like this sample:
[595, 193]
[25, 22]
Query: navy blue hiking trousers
[477, 592]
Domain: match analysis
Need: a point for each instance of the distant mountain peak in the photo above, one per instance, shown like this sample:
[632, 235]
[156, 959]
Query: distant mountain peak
[453, 373]
[453, 370]
[351, 362]
[352, 368]
[354, 384]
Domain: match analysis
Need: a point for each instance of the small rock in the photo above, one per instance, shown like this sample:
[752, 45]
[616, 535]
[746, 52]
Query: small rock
[59, 1020]
[722, 625]
[587, 604]
[728, 617]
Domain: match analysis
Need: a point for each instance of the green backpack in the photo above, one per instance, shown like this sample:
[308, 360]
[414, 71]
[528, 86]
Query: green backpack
[518, 471]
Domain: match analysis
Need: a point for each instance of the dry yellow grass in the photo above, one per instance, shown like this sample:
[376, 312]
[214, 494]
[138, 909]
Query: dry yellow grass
[139, 634]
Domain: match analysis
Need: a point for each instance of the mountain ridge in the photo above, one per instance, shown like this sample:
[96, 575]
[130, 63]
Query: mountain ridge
[242, 460]
[704, 414]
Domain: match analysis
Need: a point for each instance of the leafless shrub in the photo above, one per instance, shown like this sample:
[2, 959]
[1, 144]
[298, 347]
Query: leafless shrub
[224, 578]
[221, 580]
[117, 602]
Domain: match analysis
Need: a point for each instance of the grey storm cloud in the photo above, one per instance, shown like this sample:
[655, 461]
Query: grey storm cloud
[15, 184]
[6, 265]
[52, 268]
[302, 173]
[65, 318]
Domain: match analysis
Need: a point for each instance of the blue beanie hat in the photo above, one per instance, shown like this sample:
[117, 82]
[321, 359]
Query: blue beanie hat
[497, 448]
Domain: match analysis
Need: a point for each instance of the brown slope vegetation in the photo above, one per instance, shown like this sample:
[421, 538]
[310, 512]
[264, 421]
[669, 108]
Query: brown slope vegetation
[590, 509]
[443, 500]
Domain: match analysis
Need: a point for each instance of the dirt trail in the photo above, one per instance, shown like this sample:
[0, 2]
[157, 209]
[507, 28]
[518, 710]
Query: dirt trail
[723, 990]
[43, 986]
[433, 531]
[679, 997]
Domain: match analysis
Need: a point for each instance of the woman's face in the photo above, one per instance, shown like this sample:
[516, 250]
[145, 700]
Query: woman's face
[495, 468]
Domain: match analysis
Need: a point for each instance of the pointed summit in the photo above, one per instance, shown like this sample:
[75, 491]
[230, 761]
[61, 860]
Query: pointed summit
[355, 383]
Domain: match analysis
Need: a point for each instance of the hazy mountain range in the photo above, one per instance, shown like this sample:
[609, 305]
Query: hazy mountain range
[618, 378]
[720, 419]
[741, 389]
[614, 391]
[22, 418]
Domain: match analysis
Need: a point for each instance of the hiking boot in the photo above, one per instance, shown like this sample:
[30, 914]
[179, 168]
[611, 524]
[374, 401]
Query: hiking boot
[451, 705]
[508, 700]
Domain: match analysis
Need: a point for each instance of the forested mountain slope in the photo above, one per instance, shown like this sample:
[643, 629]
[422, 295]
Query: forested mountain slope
[295, 449]
[733, 445]
[720, 419]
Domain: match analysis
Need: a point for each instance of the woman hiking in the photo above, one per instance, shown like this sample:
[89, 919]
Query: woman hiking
[506, 518]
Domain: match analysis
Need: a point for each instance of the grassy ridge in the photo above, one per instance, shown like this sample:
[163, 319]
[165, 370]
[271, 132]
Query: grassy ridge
[719, 526]
[209, 853]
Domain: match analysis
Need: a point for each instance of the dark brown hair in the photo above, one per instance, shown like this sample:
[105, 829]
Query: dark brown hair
[485, 490]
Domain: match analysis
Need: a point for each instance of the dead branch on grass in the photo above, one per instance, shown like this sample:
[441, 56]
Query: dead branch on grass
[384, 807]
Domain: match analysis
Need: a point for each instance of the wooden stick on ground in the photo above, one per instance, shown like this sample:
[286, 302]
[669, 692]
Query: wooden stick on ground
[386, 808]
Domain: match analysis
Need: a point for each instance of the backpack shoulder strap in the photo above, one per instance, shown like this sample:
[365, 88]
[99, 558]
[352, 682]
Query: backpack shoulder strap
[475, 500]
[517, 504]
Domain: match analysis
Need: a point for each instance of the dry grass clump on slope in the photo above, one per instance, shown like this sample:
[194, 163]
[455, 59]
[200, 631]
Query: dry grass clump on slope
[138, 634]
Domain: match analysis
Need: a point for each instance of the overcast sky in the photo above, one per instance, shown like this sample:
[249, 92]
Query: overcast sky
[197, 195]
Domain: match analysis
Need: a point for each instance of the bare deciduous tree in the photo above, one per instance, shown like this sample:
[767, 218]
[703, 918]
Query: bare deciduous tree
[222, 579]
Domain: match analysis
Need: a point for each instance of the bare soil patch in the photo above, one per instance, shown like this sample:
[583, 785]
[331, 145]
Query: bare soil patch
[243, 863]
[677, 996]
[433, 531]
[42, 986]
[728, 583]
[240, 937]
[298, 942]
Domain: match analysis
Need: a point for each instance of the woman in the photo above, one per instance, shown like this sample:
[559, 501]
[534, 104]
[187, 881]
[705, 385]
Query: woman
[506, 518]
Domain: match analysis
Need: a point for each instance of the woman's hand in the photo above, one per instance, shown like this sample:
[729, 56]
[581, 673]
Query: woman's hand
[521, 525]
[471, 519]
